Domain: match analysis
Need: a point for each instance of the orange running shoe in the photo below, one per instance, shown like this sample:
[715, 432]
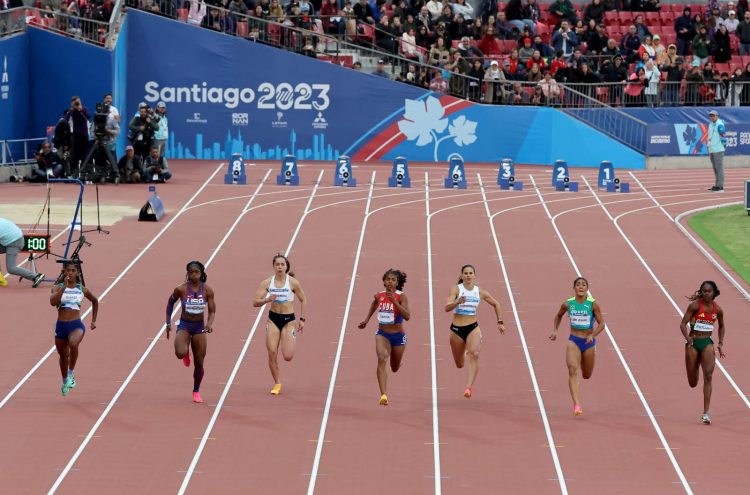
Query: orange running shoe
[276, 390]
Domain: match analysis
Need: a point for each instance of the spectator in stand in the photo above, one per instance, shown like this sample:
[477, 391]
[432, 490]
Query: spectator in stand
[424, 38]
[714, 20]
[380, 70]
[463, 8]
[385, 38]
[531, 12]
[743, 34]
[48, 164]
[610, 51]
[457, 83]
[672, 66]
[162, 133]
[513, 66]
[475, 76]
[446, 17]
[156, 167]
[423, 78]
[439, 84]
[536, 58]
[396, 26]
[652, 76]
[142, 128]
[526, 51]
[276, 12]
[640, 28]
[265, 7]
[629, 45]
[616, 75]
[515, 15]
[735, 88]
[534, 74]
[564, 39]
[442, 32]
[487, 44]
[197, 12]
[699, 21]
[333, 18]
[424, 18]
[587, 78]
[659, 50]
[476, 30]
[544, 49]
[594, 11]
[634, 89]
[238, 7]
[694, 80]
[720, 45]
[410, 77]
[577, 59]
[559, 62]
[563, 10]
[363, 12]
[409, 45]
[78, 117]
[580, 29]
[357, 66]
[651, 6]
[467, 50]
[130, 166]
[597, 40]
[537, 97]
[700, 47]
[517, 95]
[457, 61]
[458, 28]
[550, 88]
[439, 54]
[410, 22]
[503, 28]
[435, 8]
[647, 47]
[731, 22]
[642, 62]
[684, 26]
[494, 79]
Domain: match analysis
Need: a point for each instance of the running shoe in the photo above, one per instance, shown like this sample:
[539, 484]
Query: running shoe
[197, 398]
[65, 388]
[71, 382]
[383, 400]
[3, 282]
[577, 411]
[705, 419]
[186, 359]
[467, 392]
[276, 390]
[38, 279]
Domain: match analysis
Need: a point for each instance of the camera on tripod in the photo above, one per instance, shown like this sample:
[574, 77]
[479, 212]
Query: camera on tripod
[100, 164]
[100, 120]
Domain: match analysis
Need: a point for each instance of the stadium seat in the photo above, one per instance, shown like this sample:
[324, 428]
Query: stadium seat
[745, 59]
[602, 94]
[667, 18]
[182, 14]
[722, 67]
[652, 18]
[611, 18]
[242, 29]
[274, 33]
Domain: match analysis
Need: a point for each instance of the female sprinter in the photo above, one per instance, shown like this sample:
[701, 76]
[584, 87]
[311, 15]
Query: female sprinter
[580, 353]
[390, 339]
[195, 296]
[69, 330]
[466, 336]
[281, 331]
[701, 315]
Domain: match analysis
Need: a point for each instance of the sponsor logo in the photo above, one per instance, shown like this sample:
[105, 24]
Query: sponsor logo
[196, 119]
[279, 123]
[240, 119]
[320, 122]
[663, 139]
[5, 86]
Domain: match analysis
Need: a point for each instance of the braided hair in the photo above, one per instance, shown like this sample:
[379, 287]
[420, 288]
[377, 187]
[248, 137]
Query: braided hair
[400, 277]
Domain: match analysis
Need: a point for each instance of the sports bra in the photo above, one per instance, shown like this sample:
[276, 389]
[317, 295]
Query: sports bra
[581, 314]
[72, 297]
[194, 302]
[283, 294]
[704, 320]
[469, 307]
[387, 312]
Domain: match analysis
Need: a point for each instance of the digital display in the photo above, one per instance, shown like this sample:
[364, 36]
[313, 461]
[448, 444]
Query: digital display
[36, 243]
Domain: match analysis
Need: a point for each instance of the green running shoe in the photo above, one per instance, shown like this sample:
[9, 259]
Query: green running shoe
[65, 388]
[71, 382]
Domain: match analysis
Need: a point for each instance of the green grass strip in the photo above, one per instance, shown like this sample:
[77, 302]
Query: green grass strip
[727, 231]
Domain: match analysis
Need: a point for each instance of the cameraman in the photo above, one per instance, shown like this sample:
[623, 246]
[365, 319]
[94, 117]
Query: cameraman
[48, 164]
[142, 129]
[78, 118]
[62, 141]
[162, 134]
[156, 167]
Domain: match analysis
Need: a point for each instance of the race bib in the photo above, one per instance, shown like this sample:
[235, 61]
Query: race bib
[580, 320]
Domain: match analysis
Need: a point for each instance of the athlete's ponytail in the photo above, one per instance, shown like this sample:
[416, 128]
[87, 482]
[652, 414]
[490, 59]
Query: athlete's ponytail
[400, 277]
[697, 294]
[461, 278]
[199, 266]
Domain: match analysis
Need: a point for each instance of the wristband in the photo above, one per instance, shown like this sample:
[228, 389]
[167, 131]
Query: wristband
[169, 324]
[500, 322]
[302, 319]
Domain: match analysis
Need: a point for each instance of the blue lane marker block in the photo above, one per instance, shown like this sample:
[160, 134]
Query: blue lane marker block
[511, 183]
[506, 170]
[559, 172]
[606, 174]
[153, 210]
[566, 185]
[617, 186]
[400, 173]
[288, 176]
[236, 172]
[344, 175]
[456, 178]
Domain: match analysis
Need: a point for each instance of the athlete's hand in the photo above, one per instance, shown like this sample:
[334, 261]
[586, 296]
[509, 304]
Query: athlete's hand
[501, 327]
[461, 299]
[689, 342]
[300, 325]
[553, 336]
[271, 298]
[720, 350]
[209, 329]
[362, 325]
[390, 297]
[169, 328]
[93, 325]
[589, 339]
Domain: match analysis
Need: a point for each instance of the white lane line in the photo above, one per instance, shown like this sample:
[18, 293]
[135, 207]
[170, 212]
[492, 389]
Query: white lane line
[677, 221]
[433, 357]
[663, 289]
[342, 333]
[39, 363]
[616, 347]
[140, 362]
[527, 354]
[207, 433]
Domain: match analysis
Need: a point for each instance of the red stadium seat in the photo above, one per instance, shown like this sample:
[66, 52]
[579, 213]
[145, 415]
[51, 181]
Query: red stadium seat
[745, 59]
[722, 67]
[652, 18]
[507, 46]
[667, 18]
[274, 34]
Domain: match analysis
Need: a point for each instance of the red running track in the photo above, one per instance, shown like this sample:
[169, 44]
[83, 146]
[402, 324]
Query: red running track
[130, 426]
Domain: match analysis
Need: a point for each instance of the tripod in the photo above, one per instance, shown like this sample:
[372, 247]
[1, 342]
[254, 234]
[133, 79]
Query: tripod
[99, 164]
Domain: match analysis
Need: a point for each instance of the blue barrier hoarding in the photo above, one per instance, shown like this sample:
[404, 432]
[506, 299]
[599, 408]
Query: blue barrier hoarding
[692, 139]
[14, 88]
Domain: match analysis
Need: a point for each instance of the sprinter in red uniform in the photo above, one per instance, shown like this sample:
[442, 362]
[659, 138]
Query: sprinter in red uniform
[701, 315]
[392, 306]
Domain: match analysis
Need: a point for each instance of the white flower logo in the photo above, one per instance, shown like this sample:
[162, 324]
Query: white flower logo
[424, 120]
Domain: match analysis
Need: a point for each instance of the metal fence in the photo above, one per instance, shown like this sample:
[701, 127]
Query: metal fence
[18, 19]
[19, 151]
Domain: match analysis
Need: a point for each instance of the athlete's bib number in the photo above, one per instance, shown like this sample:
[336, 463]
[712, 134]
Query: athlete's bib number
[702, 326]
[580, 320]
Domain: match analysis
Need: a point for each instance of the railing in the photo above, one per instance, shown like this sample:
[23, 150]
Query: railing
[18, 19]
[19, 151]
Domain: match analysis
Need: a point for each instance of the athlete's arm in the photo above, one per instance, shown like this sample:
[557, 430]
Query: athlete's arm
[56, 295]
[173, 298]
[689, 312]
[94, 306]
[211, 303]
[720, 345]
[453, 300]
[403, 307]
[487, 297]
[373, 307]
[297, 289]
[558, 318]
[260, 298]
[599, 322]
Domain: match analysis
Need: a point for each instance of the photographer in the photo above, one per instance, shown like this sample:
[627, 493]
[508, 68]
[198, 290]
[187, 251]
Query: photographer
[130, 166]
[142, 129]
[162, 133]
[62, 141]
[48, 164]
[156, 167]
[78, 118]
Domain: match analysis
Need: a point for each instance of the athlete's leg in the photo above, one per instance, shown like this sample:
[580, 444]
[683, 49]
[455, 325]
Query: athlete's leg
[273, 337]
[588, 359]
[199, 344]
[397, 354]
[708, 363]
[573, 360]
[64, 352]
[182, 344]
[288, 342]
[458, 349]
[74, 340]
[692, 365]
[473, 346]
[383, 351]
